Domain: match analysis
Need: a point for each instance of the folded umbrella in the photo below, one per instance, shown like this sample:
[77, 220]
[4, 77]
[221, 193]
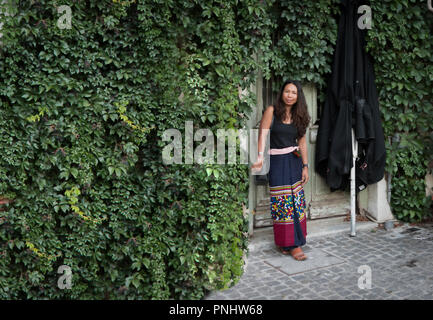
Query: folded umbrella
[351, 102]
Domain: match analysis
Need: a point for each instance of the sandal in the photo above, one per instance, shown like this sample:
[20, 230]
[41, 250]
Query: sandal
[298, 254]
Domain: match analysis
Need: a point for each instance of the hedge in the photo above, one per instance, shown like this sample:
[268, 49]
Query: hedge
[82, 113]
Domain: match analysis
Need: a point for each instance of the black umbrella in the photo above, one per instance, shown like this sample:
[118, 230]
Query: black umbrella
[350, 132]
[351, 103]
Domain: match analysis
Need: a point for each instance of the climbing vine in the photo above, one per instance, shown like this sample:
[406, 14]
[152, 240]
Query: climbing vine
[82, 113]
[401, 43]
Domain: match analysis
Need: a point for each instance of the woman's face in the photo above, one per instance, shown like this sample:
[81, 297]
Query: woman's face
[290, 94]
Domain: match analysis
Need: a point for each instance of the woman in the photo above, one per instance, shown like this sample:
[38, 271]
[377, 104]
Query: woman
[288, 171]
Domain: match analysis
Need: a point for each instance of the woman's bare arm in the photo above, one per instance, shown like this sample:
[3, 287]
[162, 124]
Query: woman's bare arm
[304, 154]
[303, 148]
[265, 124]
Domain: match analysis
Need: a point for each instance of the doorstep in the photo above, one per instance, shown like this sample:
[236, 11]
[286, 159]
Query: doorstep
[329, 226]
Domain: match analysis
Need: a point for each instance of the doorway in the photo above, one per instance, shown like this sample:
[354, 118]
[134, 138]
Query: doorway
[320, 201]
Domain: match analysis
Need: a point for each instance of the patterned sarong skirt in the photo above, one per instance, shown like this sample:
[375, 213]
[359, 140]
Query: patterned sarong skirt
[287, 200]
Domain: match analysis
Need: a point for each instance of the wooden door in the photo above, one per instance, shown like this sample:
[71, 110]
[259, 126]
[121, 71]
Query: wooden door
[321, 202]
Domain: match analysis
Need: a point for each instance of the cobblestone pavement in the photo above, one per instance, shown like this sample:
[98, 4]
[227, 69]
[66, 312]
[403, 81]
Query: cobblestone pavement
[400, 260]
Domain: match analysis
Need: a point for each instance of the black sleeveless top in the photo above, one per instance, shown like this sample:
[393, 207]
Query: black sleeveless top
[282, 135]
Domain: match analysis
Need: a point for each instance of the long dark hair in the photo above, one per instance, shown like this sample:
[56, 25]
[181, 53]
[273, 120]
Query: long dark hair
[299, 110]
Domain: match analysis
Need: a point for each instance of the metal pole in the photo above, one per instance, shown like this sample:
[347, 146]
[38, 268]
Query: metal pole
[353, 186]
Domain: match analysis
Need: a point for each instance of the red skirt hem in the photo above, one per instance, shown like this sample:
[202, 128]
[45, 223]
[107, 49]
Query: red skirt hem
[284, 233]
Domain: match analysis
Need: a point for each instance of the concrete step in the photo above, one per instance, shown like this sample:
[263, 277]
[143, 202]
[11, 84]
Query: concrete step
[328, 226]
[328, 208]
[263, 223]
[262, 215]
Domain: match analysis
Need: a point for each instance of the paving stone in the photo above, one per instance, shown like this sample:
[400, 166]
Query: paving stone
[276, 297]
[427, 296]
[260, 297]
[401, 265]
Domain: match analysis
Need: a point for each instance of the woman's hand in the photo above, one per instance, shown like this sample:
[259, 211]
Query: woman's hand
[257, 166]
[305, 177]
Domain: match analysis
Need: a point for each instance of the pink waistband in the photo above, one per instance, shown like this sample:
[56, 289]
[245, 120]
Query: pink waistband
[283, 150]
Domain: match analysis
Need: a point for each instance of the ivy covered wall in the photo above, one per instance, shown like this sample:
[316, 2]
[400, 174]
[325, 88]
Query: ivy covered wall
[82, 113]
[401, 42]
[83, 110]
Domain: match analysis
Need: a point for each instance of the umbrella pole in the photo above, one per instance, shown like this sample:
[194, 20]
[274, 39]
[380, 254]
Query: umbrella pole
[353, 186]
